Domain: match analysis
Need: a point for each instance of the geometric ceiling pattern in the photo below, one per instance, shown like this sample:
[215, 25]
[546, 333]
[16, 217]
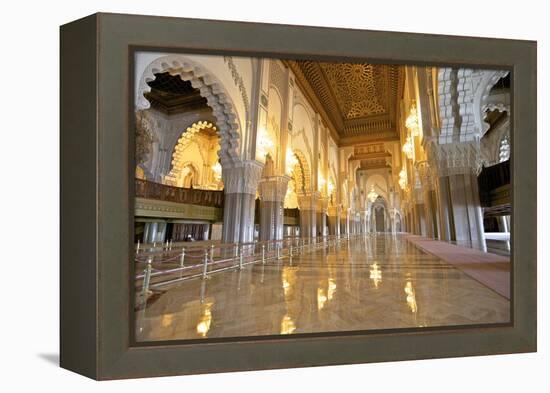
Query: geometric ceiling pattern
[357, 90]
[359, 99]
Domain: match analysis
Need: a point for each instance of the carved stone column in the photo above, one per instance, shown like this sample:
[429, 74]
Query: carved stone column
[321, 216]
[272, 194]
[351, 222]
[364, 221]
[334, 220]
[344, 228]
[443, 203]
[461, 215]
[430, 218]
[308, 218]
[240, 185]
[419, 219]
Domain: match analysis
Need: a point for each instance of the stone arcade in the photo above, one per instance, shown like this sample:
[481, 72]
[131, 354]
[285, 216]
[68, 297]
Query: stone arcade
[396, 168]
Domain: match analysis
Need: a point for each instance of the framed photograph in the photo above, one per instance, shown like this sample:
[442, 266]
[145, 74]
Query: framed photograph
[243, 196]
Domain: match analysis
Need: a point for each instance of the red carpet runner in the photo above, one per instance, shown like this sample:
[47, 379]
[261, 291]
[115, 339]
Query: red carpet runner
[489, 269]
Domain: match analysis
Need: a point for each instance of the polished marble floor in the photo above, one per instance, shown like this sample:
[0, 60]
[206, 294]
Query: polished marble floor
[377, 282]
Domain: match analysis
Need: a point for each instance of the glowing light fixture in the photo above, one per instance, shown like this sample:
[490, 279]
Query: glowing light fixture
[330, 187]
[321, 181]
[265, 144]
[291, 161]
[372, 195]
[408, 148]
[217, 169]
[412, 121]
[403, 179]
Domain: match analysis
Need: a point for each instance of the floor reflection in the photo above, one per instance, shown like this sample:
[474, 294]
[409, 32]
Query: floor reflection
[376, 282]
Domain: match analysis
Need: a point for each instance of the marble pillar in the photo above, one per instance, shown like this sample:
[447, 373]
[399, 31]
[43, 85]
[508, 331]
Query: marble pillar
[146, 230]
[321, 222]
[445, 217]
[307, 223]
[434, 213]
[428, 214]
[308, 215]
[343, 222]
[334, 221]
[161, 234]
[466, 211]
[152, 232]
[240, 184]
[272, 192]
[425, 173]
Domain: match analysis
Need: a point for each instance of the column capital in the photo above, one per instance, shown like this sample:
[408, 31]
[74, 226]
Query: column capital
[456, 158]
[273, 188]
[308, 201]
[333, 211]
[242, 177]
[425, 172]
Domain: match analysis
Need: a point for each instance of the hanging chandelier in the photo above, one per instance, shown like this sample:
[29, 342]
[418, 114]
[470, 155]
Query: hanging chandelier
[412, 121]
[291, 161]
[403, 179]
[330, 187]
[408, 148]
[372, 195]
[217, 169]
[321, 181]
[265, 144]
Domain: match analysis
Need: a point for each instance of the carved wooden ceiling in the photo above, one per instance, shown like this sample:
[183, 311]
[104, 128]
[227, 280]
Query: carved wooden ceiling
[359, 99]
[171, 95]
[372, 156]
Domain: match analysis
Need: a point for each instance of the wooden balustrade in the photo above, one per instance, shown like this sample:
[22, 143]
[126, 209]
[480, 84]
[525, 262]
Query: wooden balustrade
[192, 196]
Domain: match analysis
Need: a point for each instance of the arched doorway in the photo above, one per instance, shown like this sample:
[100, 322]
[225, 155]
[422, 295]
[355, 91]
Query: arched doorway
[380, 218]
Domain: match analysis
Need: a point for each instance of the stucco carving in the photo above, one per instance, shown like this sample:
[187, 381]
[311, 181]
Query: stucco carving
[273, 188]
[473, 88]
[301, 173]
[210, 88]
[144, 138]
[456, 158]
[243, 178]
[448, 104]
[239, 83]
[425, 174]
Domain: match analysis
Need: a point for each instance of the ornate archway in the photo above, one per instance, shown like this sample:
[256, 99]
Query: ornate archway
[180, 155]
[301, 173]
[210, 88]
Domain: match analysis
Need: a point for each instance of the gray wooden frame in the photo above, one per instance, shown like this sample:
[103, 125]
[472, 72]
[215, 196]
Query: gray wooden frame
[97, 195]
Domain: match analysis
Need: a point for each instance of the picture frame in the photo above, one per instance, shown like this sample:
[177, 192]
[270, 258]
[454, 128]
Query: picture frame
[97, 170]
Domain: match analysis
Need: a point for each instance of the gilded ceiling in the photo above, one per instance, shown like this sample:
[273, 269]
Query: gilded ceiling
[360, 99]
[358, 91]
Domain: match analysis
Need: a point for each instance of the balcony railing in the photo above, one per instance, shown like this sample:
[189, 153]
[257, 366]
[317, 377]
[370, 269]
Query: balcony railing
[294, 213]
[193, 196]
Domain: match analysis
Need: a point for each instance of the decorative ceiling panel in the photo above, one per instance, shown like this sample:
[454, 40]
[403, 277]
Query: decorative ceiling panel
[360, 89]
[360, 99]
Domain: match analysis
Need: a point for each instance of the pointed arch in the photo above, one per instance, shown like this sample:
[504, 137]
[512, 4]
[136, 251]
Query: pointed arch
[210, 88]
[179, 157]
[302, 173]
